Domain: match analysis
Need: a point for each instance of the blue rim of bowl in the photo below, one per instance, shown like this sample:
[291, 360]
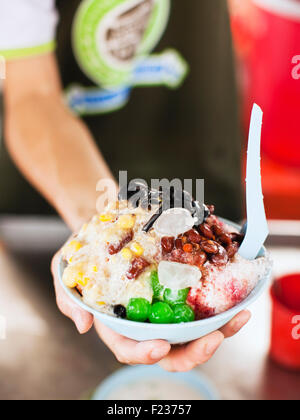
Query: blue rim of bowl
[254, 295]
[195, 380]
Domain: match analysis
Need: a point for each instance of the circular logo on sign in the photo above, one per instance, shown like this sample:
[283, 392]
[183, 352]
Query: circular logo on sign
[109, 36]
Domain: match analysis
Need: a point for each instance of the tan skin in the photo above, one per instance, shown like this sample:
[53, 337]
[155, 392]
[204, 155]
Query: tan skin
[57, 154]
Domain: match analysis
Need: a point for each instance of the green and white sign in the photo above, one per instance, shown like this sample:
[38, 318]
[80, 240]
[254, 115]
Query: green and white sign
[112, 42]
[109, 35]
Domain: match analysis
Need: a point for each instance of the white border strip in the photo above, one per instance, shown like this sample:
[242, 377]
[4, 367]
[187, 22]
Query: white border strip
[287, 8]
[284, 227]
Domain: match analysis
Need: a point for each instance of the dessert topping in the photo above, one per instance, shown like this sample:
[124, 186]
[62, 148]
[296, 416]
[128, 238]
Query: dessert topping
[120, 311]
[126, 221]
[178, 276]
[167, 244]
[138, 265]
[137, 249]
[115, 248]
[173, 222]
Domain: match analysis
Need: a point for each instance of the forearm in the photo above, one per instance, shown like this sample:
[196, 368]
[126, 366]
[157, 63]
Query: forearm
[54, 150]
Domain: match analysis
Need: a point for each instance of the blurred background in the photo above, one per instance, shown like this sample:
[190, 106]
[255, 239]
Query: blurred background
[239, 52]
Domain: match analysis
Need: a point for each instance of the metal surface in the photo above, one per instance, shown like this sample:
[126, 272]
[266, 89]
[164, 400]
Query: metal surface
[43, 357]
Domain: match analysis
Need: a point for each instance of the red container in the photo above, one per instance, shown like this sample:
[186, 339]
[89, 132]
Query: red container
[267, 40]
[285, 339]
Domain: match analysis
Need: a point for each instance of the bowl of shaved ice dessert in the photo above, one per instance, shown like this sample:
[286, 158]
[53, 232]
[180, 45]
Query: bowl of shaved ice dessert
[149, 273]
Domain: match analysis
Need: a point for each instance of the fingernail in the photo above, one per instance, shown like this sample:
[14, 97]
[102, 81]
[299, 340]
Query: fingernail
[157, 354]
[212, 346]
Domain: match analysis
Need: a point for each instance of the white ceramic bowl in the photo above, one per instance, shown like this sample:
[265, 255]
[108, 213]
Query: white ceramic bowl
[195, 381]
[173, 333]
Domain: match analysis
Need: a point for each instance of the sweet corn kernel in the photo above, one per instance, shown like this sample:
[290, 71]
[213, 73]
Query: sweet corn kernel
[83, 281]
[126, 254]
[101, 303]
[95, 269]
[70, 282]
[74, 246]
[107, 217]
[72, 276]
[70, 260]
[137, 249]
[79, 276]
[126, 221]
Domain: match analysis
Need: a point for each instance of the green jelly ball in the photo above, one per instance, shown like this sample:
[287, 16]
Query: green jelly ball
[138, 310]
[161, 313]
[156, 286]
[175, 297]
[183, 313]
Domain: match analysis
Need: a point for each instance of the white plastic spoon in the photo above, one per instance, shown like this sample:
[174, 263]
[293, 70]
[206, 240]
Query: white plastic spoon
[257, 229]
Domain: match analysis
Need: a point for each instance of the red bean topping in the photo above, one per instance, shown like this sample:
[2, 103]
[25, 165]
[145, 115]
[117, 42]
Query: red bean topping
[200, 258]
[189, 259]
[206, 231]
[218, 230]
[196, 259]
[188, 248]
[177, 255]
[225, 239]
[137, 266]
[232, 249]
[167, 244]
[114, 249]
[178, 244]
[196, 247]
[184, 240]
[193, 236]
[209, 242]
[221, 258]
[210, 247]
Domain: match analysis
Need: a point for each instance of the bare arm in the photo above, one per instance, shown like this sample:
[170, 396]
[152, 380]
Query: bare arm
[52, 148]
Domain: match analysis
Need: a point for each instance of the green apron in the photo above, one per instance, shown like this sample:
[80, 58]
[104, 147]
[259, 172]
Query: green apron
[192, 132]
